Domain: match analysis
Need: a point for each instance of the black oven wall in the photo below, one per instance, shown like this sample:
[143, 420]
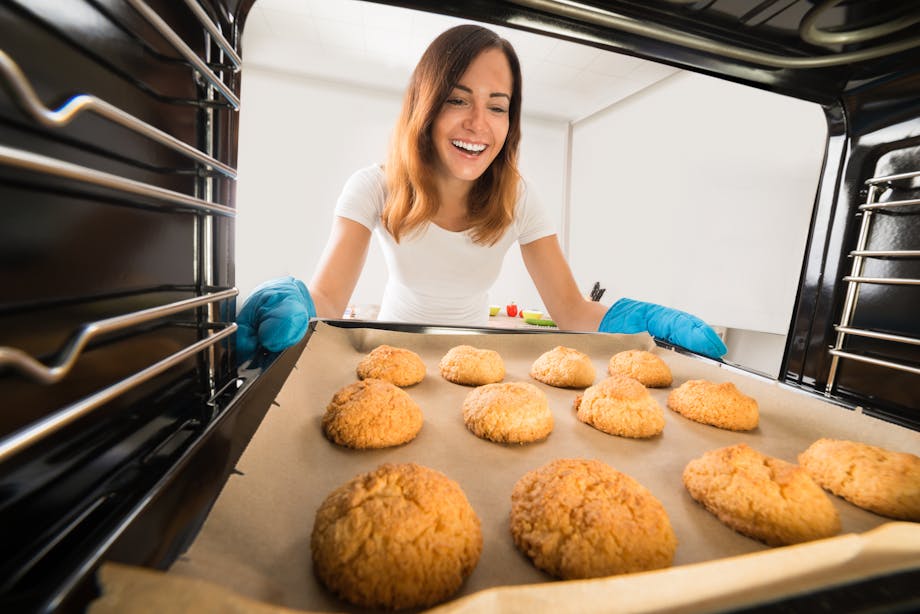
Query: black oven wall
[876, 366]
[118, 137]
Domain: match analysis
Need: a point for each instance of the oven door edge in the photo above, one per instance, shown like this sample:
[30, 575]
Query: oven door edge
[164, 523]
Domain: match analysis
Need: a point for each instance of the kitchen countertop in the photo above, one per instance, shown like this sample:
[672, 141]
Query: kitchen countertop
[503, 321]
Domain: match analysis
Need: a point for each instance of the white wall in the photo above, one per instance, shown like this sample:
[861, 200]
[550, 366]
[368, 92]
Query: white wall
[299, 141]
[697, 193]
[301, 138]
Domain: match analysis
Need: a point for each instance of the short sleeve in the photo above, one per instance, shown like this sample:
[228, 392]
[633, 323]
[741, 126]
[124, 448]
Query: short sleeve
[363, 197]
[530, 217]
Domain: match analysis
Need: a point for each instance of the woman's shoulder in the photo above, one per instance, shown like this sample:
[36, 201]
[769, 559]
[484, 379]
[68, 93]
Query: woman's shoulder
[368, 181]
[363, 195]
[530, 217]
[371, 174]
[524, 194]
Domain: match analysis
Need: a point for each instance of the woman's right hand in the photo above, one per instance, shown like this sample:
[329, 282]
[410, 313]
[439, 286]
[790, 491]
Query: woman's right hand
[275, 316]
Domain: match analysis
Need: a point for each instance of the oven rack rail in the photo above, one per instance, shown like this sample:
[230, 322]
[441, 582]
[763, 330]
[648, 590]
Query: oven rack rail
[24, 95]
[170, 35]
[213, 326]
[67, 358]
[28, 100]
[855, 279]
[26, 160]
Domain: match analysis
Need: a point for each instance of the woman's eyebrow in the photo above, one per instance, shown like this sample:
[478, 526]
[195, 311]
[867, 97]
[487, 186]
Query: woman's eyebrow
[492, 95]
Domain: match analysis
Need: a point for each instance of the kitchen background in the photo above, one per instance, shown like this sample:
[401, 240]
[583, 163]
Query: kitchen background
[667, 186]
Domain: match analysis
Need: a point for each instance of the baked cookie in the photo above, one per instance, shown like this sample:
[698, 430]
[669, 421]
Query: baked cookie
[641, 365]
[564, 368]
[401, 536]
[515, 412]
[471, 366]
[873, 478]
[398, 366]
[579, 518]
[721, 405]
[760, 496]
[620, 405]
[371, 413]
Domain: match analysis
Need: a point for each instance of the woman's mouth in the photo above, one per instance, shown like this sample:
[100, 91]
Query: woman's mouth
[473, 149]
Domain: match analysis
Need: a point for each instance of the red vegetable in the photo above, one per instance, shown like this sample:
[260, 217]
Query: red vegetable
[511, 309]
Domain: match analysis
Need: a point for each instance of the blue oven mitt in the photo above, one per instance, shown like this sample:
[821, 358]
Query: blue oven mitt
[275, 316]
[671, 325]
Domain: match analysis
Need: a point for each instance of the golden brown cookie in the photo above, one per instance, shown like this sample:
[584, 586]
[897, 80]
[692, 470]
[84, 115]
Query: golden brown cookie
[564, 368]
[873, 478]
[721, 405]
[515, 412]
[760, 496]
[372, 414]
[471, 366]
[641, 365]
[620, 405]
[398, 366]
[401, 536]
[579, 518]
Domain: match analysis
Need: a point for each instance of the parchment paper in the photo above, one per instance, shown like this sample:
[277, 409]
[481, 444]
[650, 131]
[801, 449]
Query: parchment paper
[256, 539]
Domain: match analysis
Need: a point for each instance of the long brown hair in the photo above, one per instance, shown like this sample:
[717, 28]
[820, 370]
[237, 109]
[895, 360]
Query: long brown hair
[411, 195]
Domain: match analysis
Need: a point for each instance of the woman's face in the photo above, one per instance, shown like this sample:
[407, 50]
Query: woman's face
[470, 129]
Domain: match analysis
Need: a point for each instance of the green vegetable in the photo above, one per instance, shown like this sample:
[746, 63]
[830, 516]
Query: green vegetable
[539, 322]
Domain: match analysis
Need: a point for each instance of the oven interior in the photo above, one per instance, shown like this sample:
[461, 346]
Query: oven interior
[124, 408]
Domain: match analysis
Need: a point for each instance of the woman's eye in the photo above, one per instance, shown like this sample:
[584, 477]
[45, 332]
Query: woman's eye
[455, 102]
[499, 110]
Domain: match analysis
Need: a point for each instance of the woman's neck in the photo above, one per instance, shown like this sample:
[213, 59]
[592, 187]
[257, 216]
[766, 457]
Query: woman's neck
[453, 205]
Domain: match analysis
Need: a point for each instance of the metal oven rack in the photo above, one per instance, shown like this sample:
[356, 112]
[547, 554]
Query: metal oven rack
[876, 245]
[117, 300]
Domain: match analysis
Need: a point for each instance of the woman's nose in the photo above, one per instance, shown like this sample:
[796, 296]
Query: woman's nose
[475, 119]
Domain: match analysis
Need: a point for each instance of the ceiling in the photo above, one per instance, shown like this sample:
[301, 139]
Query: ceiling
[373, 45]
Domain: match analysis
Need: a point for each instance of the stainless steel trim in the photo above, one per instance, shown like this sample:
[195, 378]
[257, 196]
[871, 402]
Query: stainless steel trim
[204, 269]
[852, 295]
[28, 100]
[890, 178]
[31, 434]
[811, 33]
[877, 253]
[891, 204]
[67, 357]
[861, 332]
[36, 162]
[581, 12]
[212, 28]
[875, 361]
[894, 281]
[176, 41]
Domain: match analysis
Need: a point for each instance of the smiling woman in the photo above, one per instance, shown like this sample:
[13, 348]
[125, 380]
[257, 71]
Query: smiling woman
[348, 63]
[450, 202]
[465, 89]
[592, 151]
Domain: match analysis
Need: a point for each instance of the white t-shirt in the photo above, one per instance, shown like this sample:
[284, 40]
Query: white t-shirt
[436, 276]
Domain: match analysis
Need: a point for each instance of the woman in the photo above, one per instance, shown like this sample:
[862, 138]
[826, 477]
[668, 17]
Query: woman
[446, 207]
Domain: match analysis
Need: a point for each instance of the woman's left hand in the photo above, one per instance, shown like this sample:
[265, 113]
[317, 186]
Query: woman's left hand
[671, 325]
[275, 316]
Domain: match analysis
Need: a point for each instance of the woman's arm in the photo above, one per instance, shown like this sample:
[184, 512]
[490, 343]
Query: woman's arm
[551, 274]
[571, 311]
[339, 268]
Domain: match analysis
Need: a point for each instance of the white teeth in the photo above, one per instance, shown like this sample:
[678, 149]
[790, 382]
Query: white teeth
[469, 146]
